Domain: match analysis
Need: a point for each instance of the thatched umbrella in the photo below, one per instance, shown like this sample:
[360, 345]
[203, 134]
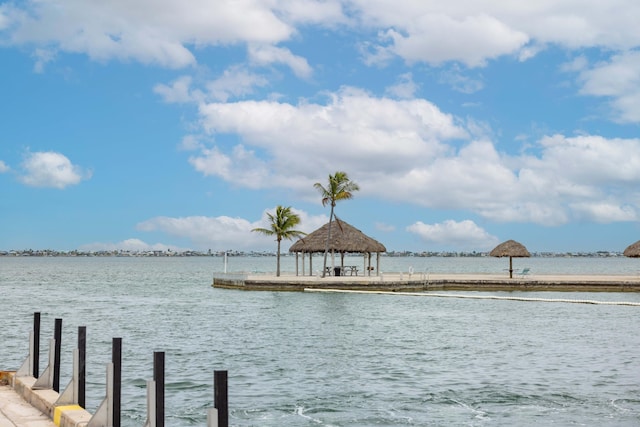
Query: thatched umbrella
[512, 249]
[344, 239]
[633, 250]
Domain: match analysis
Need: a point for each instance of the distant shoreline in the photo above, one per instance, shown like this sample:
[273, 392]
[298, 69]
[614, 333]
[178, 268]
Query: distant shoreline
[392, 254]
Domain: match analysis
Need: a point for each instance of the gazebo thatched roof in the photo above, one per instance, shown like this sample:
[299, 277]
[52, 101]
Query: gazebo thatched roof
[510, 248]
[633, 250]
[344, 238]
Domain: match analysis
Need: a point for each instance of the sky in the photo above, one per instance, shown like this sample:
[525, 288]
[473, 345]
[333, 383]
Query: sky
[164, 124]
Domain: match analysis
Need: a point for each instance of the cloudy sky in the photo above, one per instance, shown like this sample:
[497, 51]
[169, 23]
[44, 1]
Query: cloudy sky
[136, 124]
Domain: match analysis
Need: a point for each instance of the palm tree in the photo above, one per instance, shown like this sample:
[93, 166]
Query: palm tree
[282, 224]
[340, 188]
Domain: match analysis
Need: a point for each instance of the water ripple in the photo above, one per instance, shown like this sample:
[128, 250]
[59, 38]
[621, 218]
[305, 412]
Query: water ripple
[297, 359]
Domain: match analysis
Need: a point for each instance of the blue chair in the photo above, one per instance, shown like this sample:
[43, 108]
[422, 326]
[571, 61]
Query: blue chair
[524, 272]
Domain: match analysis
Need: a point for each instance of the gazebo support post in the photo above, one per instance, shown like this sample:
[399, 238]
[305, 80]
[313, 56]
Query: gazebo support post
[297, 264]
[510, 267]
[364, 263]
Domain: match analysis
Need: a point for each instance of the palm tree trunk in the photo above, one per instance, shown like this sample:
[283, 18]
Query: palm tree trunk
[278, 260]
[326, 247]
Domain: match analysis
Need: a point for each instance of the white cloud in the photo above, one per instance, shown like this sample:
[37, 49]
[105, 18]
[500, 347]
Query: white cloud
[191, 143]
[572, 178]
[404, 89]
[473, 32]
[4, 18]
[618, 79]
[223, 232]
[470, 32]
[469, 177]
[178, 92]
[577, 64]
[460, 81]
[529, 51]
[591, 160]
[3, 167]
[50, 169]
[604, 212]
[147, 31]
[471, 40]
[326, 12]
[204, 232]
[262, 54]
[241, 166]
[411, 152]
[42, 57]
[569, 180]
[305, 141]
[235, 82]
[130, 245]
[463, 234]
[576, 25]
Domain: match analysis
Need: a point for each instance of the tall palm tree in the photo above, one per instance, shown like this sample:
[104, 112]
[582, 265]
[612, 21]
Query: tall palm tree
[282, 226]
[340, 188]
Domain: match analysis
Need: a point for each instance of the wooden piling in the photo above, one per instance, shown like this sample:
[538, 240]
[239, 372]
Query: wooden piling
[158, 377]
[220, 400]
[57, 336]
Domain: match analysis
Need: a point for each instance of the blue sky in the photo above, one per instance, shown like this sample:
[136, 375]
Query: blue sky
[141, 124]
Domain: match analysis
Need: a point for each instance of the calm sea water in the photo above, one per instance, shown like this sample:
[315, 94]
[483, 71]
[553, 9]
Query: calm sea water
[307, 359]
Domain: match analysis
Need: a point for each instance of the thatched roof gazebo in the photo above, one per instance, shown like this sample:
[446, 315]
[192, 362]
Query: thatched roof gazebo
[344, 239]
[512, 249]
[633, 250]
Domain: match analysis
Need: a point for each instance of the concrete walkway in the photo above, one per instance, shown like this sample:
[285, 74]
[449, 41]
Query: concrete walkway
[16, 412]
[432, 282]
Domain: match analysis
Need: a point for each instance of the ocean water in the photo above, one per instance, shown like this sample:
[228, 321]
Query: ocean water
[309, 359]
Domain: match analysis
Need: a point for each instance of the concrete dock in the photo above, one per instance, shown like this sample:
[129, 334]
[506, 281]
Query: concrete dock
[431, 282]
[17, 412]
[22, 406]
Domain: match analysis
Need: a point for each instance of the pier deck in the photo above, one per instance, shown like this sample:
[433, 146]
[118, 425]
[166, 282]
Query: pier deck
[22, 406]
[17, 412]
[431, 282]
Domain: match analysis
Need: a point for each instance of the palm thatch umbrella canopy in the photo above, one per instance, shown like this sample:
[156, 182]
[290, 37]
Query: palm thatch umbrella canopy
[633, 250]
[512, 249]
[345, 238]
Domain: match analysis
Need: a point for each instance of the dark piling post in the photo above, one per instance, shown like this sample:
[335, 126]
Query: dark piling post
[158, 377]
[82, 373]
[57, 336]
[116, 359]
[220, 401]
[36, 344]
